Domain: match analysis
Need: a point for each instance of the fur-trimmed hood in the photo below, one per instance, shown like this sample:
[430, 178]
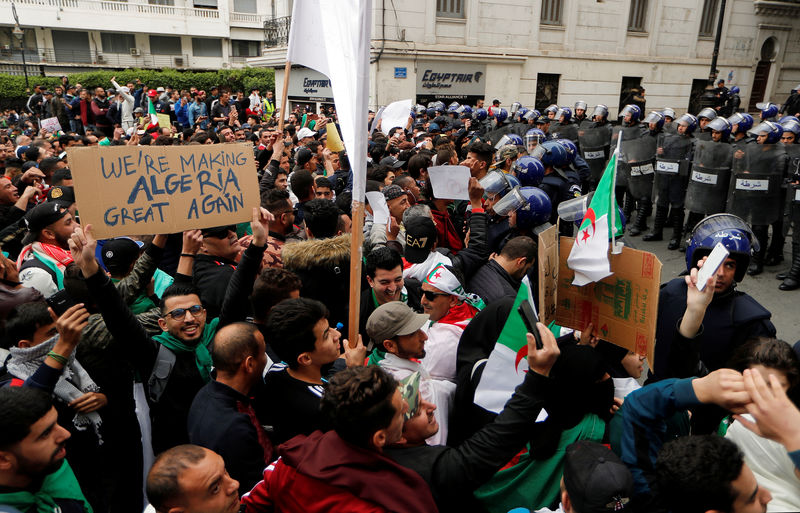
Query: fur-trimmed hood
[311, 253]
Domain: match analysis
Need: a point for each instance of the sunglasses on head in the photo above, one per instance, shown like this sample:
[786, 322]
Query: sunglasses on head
[179, 314]
[431, 295]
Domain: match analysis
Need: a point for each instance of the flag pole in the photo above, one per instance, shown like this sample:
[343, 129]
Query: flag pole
[286, 70]
[356, 241]
[616, 247]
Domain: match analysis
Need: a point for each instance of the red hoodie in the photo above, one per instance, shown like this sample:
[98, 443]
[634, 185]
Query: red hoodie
[321, 473]
[446, 232]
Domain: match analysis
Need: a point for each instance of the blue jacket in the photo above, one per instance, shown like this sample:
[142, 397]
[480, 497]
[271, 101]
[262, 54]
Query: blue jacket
[195, 110]
[182, 113]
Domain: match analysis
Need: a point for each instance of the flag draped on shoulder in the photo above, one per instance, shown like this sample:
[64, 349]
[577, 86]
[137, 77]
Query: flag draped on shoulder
[508, 361]
[589, 255]
[333, 37]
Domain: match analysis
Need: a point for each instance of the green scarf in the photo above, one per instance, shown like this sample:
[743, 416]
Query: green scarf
[202, 357]
[61, 484]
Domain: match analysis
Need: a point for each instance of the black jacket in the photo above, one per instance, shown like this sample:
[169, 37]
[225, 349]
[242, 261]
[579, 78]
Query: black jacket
[730, 319]
[169, 414]
[491, 282]
[215, 422]
[323, 266]
[453, 473]
[210, 275]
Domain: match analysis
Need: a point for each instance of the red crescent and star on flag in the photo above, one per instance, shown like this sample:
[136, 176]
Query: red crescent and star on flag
[590, 215]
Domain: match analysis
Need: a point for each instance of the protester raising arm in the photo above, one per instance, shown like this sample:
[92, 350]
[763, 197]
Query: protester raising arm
[69, 325]
[192, 240]
[236, 303]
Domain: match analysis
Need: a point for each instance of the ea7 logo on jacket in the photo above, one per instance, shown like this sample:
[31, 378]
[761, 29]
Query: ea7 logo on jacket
[416, 243]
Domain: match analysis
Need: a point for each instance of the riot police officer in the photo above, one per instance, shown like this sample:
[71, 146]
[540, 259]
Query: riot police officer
[741, 123]
[707, 190]
[733, 102]
[557, 183]
[580, 112]
[594, 140]
[755, 191]
[639, 155]
[496, 185]
[563, 127]
[704, 117]
[767, 111]
[669, 121]
[673, 159]
[789, 138]
[631, 131]
[692, 342]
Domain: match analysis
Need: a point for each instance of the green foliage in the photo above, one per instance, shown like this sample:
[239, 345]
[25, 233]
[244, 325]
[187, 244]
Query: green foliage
[12, 87]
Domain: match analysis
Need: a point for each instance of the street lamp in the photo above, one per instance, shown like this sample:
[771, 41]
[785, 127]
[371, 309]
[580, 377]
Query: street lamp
[19, 33]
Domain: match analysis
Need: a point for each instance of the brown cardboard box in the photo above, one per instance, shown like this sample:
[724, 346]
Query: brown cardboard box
[622, 307]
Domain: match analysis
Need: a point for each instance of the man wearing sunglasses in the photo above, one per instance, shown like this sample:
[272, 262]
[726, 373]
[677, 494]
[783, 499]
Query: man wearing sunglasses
[176, 363]
[214, 265]
[450, 309]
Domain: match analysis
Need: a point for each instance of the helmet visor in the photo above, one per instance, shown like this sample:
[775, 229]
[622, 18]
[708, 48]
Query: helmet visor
[600, 110]
[503, 141]
[510, 202]
[707, 113]
[580, 105]
[494, 182]
[719, 124]
[736, 118]
[654, 117]
[722, 223]
[763, 127]
[563, 112]
[629, 109]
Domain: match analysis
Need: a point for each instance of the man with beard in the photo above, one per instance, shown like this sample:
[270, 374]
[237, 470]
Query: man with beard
[177, 362]
[34, 475]
[100, 107]
[45, 257]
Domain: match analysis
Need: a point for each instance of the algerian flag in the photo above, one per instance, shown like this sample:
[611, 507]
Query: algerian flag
[508, 361]
[589, 255]
[151, 110]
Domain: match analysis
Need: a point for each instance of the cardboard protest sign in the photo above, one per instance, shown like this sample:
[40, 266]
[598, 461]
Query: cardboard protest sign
[622, 307]
[450, 182]
[548, 265]
[164, 120]
[131, 190]
[50, 124]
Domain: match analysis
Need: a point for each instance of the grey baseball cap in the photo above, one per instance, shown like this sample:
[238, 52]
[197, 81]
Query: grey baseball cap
[392, 319]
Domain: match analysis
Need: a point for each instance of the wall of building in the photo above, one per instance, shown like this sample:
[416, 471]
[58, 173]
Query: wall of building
[591, 50]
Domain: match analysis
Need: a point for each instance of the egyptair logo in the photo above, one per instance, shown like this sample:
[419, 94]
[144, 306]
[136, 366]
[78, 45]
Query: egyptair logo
[478, 75]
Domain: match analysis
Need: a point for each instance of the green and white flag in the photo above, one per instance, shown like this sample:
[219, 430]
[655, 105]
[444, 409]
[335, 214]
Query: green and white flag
[589, 255]
[508, 361]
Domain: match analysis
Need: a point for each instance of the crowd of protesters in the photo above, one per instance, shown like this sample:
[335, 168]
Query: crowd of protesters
[206, 371]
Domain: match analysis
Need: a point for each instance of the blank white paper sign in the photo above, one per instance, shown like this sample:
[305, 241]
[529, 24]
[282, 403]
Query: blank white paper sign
[380, 210]
[450, 182]
[395, 114]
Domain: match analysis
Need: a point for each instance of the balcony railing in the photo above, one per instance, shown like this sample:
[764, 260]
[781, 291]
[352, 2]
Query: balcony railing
[276, 31]
[117, 7]
[92, 57]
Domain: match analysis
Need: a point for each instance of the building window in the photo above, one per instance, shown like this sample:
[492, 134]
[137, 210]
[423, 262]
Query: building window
[710, 8]
[630, 92]
[245, 48]
[450, 8]
[71, 46]
[551, 12]
[161, 2]
[165, 45]
[546, 90]
[206, 47]
[205, 4]
[117, 43]
[638, 16]
[247, 6]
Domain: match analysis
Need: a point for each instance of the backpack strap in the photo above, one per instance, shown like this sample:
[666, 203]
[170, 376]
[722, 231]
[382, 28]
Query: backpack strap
[165, 362]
